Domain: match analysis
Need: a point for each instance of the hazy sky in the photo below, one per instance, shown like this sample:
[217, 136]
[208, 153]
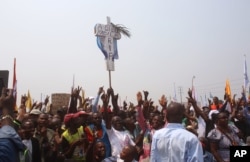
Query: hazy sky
[171, 42]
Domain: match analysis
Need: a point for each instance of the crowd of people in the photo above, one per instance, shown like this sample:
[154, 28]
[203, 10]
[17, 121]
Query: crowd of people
[102, 131]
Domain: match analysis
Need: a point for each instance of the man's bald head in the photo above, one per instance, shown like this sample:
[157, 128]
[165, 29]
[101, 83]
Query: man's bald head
[175, 112]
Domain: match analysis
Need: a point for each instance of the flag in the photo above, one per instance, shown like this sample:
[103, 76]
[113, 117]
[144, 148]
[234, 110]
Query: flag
[205, 102]
[210, 95]
[228, 92]
[101, 44]
[83, 95]
[193, 93]
[246, 81]
[28, 103]
[228, 89]
[14, 85]
[175, 97]
[249, 94]
[202, 103]
[193, 89]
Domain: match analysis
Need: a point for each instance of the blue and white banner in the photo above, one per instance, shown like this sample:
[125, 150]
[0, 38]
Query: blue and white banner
[103, 46]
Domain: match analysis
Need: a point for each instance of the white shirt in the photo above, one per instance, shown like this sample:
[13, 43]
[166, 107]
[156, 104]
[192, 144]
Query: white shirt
[28, 144]
[118, 140]
[175, 144]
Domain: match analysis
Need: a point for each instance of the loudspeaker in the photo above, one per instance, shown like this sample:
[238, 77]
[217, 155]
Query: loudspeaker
[4, 77]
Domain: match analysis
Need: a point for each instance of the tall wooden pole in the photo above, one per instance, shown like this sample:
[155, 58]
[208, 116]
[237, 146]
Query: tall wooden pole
[109, 79]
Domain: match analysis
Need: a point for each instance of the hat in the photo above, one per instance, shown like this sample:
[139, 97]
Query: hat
[79, 113]
[35, 112]
[211, 113]
[70, 116]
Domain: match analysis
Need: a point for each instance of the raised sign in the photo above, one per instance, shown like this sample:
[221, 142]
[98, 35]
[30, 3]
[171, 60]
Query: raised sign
[107, 36]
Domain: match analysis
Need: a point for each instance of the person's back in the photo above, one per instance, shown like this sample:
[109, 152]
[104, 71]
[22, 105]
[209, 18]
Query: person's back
[174, 143]
[10, 144]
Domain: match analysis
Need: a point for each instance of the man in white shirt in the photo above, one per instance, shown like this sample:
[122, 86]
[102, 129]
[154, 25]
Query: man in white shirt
[118, 137]
[174, 143]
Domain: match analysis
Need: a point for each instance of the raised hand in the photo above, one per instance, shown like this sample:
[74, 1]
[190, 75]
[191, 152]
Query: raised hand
[131, 106]
[209, 101]
[115, 98]
[24, 98]
[233, 100]
[78, 91]
[7, 100]
[46, 100]
[139, 98]
[145, 95]
[101, 90]
[110, 91]
[75, 92]
[34, 104]
[105, 99]
[39, 106]
[190, 97]
[163, 101]
[125, 104]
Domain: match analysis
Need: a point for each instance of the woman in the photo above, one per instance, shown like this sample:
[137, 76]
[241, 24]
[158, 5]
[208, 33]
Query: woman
[73, 141]
[222, 137]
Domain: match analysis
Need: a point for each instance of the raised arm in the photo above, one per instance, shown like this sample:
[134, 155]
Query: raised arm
[7, 105]
[22, 108]
[197, 109]
[114, 101]
[224, 106]
[163, 102]
[95, 104]
[73, 100]
[106, 115]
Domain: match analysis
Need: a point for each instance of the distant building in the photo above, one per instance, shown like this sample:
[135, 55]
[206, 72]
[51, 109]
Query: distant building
[59, 100]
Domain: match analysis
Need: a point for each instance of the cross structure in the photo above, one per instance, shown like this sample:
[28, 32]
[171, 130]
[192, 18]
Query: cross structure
[108, 34]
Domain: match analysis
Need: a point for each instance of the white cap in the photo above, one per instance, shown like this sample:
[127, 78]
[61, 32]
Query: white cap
[212, 112]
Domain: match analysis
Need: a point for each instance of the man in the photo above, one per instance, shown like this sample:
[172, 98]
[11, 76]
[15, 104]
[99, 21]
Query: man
[128, 154]
[118, 136]
[32, 144]
[99, 151]
[45, 136]
[98, 128]
[174, 142]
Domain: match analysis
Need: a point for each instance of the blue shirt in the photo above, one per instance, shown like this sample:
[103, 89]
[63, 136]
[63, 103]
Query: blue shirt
[175, 144]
